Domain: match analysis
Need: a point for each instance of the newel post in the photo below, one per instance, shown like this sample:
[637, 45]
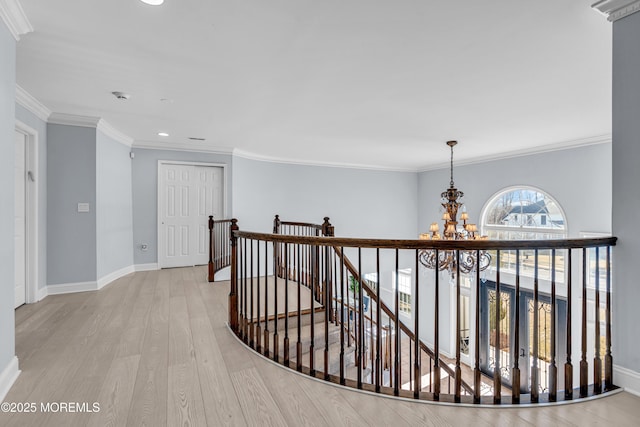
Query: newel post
[327, 228]
[212, 271]
[233, 298]
[276, 225]
[279, 269]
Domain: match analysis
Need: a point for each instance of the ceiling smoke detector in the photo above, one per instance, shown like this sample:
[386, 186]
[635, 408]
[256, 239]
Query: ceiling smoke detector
[121, 95]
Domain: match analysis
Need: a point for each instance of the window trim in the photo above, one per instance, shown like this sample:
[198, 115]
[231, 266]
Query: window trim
[491, 200]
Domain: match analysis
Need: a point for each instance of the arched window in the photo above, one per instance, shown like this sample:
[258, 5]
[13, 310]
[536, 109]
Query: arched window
[523, 213]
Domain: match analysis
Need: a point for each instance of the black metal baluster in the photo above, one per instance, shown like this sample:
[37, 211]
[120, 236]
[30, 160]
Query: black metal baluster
[458, 370]
[597, 362]
[584, 366]
[286, 306]
[343, 291]
[477, 375]
[378, 364]
[568, 366]
[497, 378]
[515, 373]
[608, 360]
[418, 366]
[536, 333]
[436, 328]
[396, 350]
[553, 370]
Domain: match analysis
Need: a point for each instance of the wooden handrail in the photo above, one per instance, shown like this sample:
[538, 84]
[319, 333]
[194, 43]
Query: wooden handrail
[468, 245]
[317, 260]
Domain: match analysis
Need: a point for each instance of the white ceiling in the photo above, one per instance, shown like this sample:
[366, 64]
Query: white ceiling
[362, 82]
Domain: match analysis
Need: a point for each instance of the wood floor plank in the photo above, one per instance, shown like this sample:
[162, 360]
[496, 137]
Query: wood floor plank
[221, 403]
[153, 349]
[184, 400]
[115, 395]
[257, 404]
[150, 389]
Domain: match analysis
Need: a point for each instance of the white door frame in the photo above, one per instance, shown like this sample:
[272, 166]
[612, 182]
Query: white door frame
[31, 210]
[159, 207]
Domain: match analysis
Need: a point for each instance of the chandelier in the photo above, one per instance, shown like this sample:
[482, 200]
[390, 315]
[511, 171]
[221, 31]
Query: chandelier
[467, 261]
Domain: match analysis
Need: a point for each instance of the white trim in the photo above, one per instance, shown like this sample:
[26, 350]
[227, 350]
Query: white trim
[74, 120]
[26, 100]
[113, 276]
[181, 146]
[490, 200]
[15, 19]
[251, 156]
[114, 133]
[566, 145]
[69, 288]
[630, 380]
[32, 211]
[8, 376]
[616, 9]
[160, 197]
[42, 293]
[146, 267]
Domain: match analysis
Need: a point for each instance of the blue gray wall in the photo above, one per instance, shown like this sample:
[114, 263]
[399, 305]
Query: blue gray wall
[145, 195]
[626, 191]
[31, 120]
[71, 179]
[114, 217]
[579, 179]
[360, 202]
[7, 126]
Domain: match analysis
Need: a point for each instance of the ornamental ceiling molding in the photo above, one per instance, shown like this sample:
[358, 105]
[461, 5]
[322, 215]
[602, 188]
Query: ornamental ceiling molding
[29, 102]
[14, 18]
[616, 9]
[91, 122]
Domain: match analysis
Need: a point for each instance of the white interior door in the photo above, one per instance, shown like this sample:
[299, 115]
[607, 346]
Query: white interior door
[188, 195]
[20, 232]
[208, 187]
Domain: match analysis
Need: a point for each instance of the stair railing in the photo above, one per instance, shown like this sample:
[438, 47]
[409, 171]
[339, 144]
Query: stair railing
[275, 303]
[219, 246]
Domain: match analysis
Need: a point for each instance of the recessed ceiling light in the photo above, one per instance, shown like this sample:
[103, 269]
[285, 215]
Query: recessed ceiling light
[153, 2]
[163, 134]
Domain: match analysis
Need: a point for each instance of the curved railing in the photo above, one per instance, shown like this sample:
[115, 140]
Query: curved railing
[494, 337]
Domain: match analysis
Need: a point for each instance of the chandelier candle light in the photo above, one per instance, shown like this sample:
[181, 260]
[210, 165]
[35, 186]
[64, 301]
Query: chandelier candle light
[447, 260]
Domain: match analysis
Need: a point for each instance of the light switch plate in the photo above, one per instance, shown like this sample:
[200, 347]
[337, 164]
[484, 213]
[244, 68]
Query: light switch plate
[83, 207]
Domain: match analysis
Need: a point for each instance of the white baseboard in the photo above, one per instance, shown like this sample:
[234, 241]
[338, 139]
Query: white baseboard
[42, 293]
[8, 376]
[111, 277]
[630, 380]
[68, 288]
[146, 267]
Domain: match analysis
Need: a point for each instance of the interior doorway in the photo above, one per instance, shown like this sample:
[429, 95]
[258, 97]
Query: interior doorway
[187, 194]
[25, 214]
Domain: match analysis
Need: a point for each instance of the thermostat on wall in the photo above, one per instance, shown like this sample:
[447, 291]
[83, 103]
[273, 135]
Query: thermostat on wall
[83, 207]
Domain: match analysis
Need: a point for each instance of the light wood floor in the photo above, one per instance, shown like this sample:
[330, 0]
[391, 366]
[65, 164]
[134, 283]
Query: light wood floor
[152, 349]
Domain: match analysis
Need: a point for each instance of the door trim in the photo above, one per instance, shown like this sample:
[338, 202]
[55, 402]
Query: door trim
[160, 245]
[31, 210]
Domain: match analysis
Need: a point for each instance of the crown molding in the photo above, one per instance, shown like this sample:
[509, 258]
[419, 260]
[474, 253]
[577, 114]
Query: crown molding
[259, 157]
[616, 9]
[26, 100]
[114, 133]
[14, 18]
[566, 145]
[74, 120]
[91, 122]
[181, 146]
